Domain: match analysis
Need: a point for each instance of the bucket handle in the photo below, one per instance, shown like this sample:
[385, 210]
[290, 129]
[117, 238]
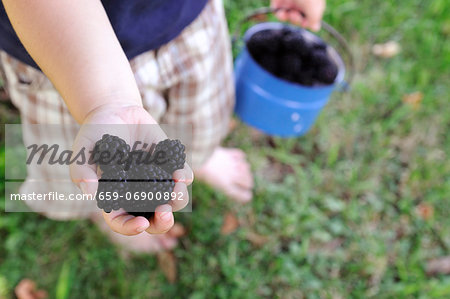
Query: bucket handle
[263, 11]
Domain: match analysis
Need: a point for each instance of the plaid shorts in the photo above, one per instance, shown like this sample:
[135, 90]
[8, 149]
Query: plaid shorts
[188, 81]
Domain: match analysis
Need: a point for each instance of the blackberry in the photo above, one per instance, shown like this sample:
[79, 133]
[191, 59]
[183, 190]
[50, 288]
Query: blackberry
[157, 185]
[147, 215]
[107, 204]
[288, 77]
[319, 58]
[285, 31]
[327, 73]
[145, 181]
[294, 43]
[110, 152]
[141, 186]
[306, 77]
[265, 41]
[318, 45]
[286, 54]
[290, 65]
[115, 184]
[254, 47]
[270, 64]
[137, 158]
[119, 176]
[169, 155]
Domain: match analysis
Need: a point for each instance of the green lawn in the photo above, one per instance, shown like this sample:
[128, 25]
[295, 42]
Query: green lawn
[343, 217]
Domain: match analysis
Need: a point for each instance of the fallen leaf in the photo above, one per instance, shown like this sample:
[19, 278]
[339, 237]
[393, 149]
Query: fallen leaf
[230, 224]
[26, 289]
[402, 227]
[438, 266]
[425, 211]
[232, 125]
[413, 99]
[256, 239]
[275, 171]
[168, 264]
[386, 50]
[256, 135]
[326, 248]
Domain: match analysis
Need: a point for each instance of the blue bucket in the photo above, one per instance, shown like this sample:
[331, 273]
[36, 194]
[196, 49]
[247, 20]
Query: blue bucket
[276, 106]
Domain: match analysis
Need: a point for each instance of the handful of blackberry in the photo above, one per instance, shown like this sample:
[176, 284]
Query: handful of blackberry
[136, 181]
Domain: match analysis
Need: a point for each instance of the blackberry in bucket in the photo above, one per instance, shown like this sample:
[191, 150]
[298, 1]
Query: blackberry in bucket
[286, 54]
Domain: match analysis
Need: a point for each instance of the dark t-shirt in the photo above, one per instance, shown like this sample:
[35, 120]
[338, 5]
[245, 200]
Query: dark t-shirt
[140, 25]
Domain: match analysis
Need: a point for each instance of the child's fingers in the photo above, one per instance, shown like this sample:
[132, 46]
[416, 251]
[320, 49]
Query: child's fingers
[85, 178]
[242, 195]
[295, 17]
[176, 231]
[183, 178]
[162, 221]
[313, 25]
[306, 13]
[185, 175]
[246, 182]
[188, 174]
[41, 294]
[314, 15]
[181, 197]
[25, 289]
[125, 224]
[84, 175]
[282, 15]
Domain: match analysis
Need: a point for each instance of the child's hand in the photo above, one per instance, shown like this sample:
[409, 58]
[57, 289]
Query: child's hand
[306, 13]
[131, 123]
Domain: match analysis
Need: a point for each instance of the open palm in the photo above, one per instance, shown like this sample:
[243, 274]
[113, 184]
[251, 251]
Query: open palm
[131, 123]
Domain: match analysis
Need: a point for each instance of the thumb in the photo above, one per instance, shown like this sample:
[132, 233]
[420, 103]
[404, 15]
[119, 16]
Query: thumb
[314, 15]
[85, 178]
[84, 175]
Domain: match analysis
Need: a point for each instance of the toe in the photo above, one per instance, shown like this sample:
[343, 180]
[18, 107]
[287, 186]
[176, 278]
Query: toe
[177, 231]
[244, 177]
[237, 153]
[143, 243]
[240, 194]
[245, 183]
[167, 242]
[242, 166]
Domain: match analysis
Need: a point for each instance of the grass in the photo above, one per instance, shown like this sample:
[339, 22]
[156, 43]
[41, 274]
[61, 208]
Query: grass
[340, 213]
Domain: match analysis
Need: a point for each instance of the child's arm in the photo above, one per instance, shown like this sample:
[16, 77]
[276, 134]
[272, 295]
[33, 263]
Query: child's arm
[306, 13]
[75, 46]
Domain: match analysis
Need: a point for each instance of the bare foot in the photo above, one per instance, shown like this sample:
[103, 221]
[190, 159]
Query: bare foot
[26, 289]
[228, 170]
[143, 242]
